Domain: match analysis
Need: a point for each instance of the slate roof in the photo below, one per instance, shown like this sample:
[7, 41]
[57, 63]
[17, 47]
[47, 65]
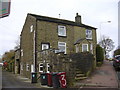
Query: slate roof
[61, 21]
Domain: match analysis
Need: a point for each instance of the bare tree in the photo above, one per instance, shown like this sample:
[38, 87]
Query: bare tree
[107, 44]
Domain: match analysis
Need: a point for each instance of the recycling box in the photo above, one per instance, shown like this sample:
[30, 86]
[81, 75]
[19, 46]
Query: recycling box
[44, 79]
[55, 80]
[62, 79]
[49, 77]
[34, 77]
[59, 80]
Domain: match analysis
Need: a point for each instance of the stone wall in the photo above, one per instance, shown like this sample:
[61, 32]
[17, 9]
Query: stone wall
[60, 62]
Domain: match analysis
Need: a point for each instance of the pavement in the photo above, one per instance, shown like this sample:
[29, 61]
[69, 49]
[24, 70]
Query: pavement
[103, 77]
[10, 80]
[27, 80]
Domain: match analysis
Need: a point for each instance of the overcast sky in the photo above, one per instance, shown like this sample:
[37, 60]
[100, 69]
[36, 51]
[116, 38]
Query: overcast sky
[95, 13]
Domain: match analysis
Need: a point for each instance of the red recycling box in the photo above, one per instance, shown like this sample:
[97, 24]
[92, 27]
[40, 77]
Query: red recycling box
[62, 79]
[49, 79]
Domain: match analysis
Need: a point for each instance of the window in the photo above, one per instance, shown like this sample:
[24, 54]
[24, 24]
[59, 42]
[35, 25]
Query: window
[84, 47]
[61, 30]
[27, 67]
[48, 67]
[21, 66]
[91, 48]
[45, 46]
[41, 67]
[21, 52]
[31, 28]
[77, 48]
[88, 34]
[32, 68]
[62, 47]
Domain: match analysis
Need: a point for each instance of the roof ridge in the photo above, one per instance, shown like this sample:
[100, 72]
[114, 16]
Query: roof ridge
[57, 20]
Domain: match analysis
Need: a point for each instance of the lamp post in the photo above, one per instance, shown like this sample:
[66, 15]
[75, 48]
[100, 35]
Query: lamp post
[101, 26]
[100, 31]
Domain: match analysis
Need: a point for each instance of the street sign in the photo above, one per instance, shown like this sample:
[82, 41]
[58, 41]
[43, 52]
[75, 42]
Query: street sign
[4, 8]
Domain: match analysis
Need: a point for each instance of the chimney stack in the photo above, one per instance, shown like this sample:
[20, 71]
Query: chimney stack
[78, 19]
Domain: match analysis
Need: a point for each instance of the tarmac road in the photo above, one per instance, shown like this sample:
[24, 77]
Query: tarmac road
[9, 80]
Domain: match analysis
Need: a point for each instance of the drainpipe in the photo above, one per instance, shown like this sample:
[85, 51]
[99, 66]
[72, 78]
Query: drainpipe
[34, 51]
[34, 74]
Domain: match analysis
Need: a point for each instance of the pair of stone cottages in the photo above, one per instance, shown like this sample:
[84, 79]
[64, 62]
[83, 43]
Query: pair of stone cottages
[41, 32]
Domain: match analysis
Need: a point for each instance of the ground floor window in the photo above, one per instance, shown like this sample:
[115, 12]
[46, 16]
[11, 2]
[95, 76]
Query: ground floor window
[21, 66]
[91, 48]
[77, 48]
[48, 67]
[27, 67]
[32, 68]
[84, 47]
[41, 67]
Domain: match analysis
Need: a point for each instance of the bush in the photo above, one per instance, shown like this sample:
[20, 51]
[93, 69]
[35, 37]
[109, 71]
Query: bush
[99, 54]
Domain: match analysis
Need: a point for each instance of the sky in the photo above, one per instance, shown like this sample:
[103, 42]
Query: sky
[95, 13]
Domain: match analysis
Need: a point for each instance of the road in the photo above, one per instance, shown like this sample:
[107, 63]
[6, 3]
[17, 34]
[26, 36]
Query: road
[10, 80]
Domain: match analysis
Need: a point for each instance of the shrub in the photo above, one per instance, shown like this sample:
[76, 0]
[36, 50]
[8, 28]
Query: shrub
[99, 54]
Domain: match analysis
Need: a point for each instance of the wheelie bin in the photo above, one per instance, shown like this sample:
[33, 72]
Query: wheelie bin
[34, 77]
[44, 79]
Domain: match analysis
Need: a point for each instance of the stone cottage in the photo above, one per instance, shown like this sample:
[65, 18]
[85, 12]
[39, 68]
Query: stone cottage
[40, 33]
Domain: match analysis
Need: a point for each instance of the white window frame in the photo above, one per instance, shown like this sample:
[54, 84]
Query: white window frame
[31, 28]
[88, 34]
[83, 46]
[48, 67]
[21, 66]
[77, 48]
[40, 66]
[32, 68]
[46, 45]
[21, 52]
[27, 67]
[91, 48]
[61, 46]
[61, 29]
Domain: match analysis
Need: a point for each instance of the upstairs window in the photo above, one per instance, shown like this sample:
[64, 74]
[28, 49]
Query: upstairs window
[61, 30]
[88, 34]
[21, 52]
[45, 46]
[62, 47]
[84, 47]
[31, 28]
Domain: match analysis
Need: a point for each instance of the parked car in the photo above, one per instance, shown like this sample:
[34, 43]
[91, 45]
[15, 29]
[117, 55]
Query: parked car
[116, 62]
